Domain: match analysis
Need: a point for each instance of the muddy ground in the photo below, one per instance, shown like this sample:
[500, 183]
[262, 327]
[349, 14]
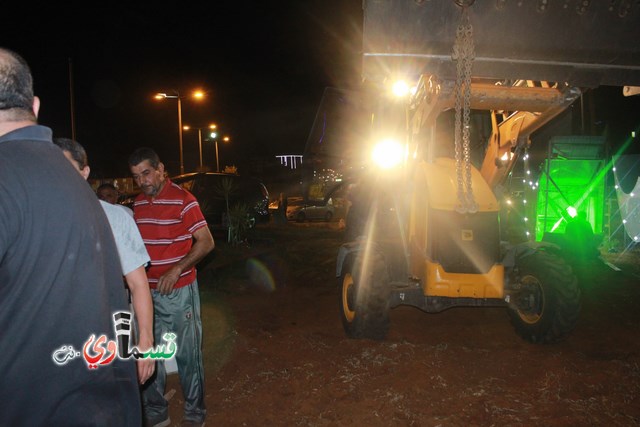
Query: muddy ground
[276, 354]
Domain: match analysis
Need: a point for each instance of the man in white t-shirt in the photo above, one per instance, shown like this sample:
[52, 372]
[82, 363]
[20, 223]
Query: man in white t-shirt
[133, 259]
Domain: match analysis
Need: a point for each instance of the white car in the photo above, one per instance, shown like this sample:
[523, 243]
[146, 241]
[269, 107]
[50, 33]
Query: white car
[301, 211]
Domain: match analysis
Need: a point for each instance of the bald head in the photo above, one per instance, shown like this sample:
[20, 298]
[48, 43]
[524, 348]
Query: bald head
[17, 102]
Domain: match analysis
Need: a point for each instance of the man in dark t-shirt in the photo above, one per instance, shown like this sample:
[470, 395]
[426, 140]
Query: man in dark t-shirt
[60, 280]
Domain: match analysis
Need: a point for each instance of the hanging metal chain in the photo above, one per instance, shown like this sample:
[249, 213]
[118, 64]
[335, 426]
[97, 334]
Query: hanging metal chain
[456, 55]
[463, 54]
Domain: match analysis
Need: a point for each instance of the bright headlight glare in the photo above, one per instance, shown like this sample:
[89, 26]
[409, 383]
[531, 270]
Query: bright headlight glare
[387, 153]
[400, 88]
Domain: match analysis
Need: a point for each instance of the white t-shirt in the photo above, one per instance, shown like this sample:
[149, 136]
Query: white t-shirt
[131, 248]
[125, 208]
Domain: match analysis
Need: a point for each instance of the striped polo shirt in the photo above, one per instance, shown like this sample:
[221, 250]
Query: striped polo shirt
[167, 224]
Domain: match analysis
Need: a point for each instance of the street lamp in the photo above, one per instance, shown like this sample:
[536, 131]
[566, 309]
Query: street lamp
[197, 95]
[211, 126]
[225, 139]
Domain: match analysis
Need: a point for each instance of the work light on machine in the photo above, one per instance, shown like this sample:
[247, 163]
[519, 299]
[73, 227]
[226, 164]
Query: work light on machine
[387, 153]
[400, 88]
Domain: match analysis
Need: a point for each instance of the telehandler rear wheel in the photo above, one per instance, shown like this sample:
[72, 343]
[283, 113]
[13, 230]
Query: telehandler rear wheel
[364, 298]
[546, 307]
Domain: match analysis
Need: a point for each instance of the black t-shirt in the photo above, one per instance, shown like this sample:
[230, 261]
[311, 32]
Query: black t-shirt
[60, 283]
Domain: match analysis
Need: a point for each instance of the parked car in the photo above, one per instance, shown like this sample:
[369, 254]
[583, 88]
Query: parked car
[210, 189]
[300, 210]
[275, 204]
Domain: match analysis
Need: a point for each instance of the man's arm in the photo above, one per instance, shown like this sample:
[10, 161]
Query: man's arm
[201, 247]
[143, 308]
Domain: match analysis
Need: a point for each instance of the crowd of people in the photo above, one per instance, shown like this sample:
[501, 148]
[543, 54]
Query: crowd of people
[78, 273]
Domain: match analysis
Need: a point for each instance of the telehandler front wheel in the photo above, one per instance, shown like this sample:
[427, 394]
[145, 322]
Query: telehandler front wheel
[546, 306]
[364, 298]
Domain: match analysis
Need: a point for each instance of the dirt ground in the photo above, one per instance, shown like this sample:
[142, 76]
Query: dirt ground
[276, 354]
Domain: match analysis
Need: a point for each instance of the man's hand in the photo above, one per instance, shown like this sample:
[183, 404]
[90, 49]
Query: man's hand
[146, 367]
[168, 280]
[143, 310]
[203, 244]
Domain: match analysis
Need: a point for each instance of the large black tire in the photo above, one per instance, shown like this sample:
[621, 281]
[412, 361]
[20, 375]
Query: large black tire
[364, 299]
[546, 308]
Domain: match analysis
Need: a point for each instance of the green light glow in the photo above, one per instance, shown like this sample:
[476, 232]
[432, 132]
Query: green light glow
[567, 182]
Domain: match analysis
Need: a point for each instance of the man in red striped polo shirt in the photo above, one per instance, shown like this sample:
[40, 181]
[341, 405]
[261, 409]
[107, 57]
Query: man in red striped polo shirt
[177, 237]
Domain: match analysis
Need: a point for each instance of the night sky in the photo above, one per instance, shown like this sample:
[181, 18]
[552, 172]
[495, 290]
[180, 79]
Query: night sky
[264, 66]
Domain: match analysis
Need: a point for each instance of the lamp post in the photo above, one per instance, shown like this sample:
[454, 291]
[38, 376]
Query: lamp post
[197, 95]
[211, 126]
[225, 139]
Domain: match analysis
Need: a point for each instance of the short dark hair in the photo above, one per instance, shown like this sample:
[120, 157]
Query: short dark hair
[144, 153]
[108, 185]
[16, 86]
[75, 149]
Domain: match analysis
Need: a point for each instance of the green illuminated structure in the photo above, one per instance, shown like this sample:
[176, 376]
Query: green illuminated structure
[572, 176]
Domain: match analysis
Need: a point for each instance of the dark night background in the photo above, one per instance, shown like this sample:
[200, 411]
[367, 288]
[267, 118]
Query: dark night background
[264, 66]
